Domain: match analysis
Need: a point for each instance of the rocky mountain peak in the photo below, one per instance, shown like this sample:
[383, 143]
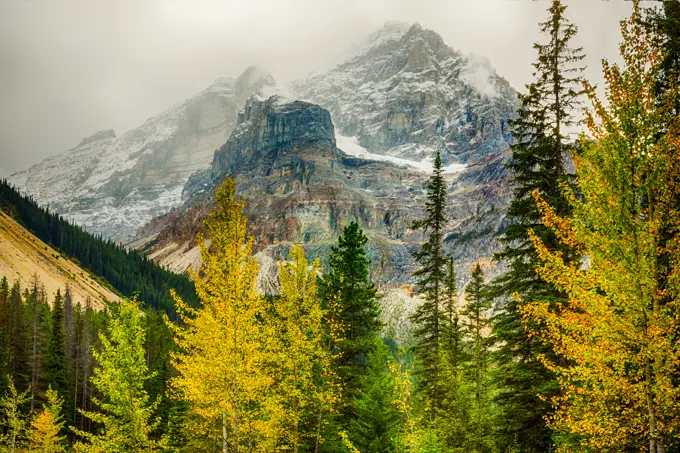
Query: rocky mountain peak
[266, 130]
[407, 94]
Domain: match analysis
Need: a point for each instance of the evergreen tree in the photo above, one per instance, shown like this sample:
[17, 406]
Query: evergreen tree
[18, 340]
[454, 354]
[430, 276]
[477, 322]
[55, 366]
[358, 311]
[37, 311]
[539, 162]
[125, 413]
[378, 422]
[45, 434]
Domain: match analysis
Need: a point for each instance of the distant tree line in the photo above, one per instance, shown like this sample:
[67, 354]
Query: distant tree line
[129, 272]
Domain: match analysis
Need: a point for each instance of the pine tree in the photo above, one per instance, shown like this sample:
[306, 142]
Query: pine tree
[430, 275]
[125, 413]
[37, 322]
[55, 366]
[539, 162]
[18, 340]
[477, 322]
[378, 422]
[45, 434]
[454, 354]
[13, 419]
[358, 311]
[222, 358]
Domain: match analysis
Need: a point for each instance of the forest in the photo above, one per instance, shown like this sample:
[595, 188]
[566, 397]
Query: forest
[572, 348]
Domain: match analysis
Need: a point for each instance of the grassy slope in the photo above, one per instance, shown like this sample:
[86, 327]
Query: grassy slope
[23, 255]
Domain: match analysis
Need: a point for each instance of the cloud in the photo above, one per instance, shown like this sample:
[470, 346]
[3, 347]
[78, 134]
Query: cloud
[72, 67]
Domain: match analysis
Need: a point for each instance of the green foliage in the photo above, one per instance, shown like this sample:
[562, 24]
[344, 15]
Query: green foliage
[358, 311]
[378, 422]
[55, 366]
[539, 162]
[13, 418]
[129, 272]
[125, 413]
[430, 275]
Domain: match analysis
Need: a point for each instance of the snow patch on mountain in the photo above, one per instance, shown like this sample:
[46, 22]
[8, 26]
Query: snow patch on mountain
[351, 147]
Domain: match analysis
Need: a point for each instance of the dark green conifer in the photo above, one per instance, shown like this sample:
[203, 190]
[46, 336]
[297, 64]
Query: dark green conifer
[359, 311]
[55, 366]
[430, 280]
[540, 161]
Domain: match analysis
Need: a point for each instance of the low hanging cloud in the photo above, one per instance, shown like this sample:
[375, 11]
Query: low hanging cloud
[72, 67]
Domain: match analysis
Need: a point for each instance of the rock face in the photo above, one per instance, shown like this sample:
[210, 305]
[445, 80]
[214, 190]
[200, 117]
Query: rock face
[405, 93]
[298, 187]
[114, 185]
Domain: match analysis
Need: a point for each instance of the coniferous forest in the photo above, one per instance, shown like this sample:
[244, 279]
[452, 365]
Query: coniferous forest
[572, 348]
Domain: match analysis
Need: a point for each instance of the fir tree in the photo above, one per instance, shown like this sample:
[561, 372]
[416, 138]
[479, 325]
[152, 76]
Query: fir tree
[477, 322]
[125, 413]
[378, 421]
[358, 310]
[539, 162]
[55, 366]
[430, 275]
[455, 401]
[18, 340]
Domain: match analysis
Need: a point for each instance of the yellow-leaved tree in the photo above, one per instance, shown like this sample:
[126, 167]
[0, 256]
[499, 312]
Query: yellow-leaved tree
[45, 434]
[303, 362]
[618, 331]
[222, 359]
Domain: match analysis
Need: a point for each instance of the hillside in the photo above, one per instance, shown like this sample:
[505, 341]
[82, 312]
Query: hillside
[22, 256]
[129, 272]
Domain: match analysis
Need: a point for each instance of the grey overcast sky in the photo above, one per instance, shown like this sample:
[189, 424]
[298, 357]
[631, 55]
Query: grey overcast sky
[69, 68]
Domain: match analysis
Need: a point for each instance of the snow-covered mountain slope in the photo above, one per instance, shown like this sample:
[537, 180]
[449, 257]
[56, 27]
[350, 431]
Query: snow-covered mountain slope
[113, 185]
[404, 93]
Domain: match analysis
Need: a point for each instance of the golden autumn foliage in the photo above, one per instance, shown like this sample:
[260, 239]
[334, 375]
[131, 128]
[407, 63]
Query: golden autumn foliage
[616, 333]
[44, 435]
[303, 362]
[221, 366]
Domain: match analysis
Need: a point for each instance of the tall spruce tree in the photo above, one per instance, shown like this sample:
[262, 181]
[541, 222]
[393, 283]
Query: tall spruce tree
[348, 280]
[55, 365]
[18, 340]
[539, 162]
[430, 276]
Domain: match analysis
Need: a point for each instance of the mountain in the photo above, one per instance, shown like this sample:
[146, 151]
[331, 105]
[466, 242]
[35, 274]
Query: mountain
[23, 256]
[300, 187]
[405, 93]
[113, 185]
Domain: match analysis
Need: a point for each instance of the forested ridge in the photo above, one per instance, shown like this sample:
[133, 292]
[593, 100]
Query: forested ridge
[127, 271]
[573, 348]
